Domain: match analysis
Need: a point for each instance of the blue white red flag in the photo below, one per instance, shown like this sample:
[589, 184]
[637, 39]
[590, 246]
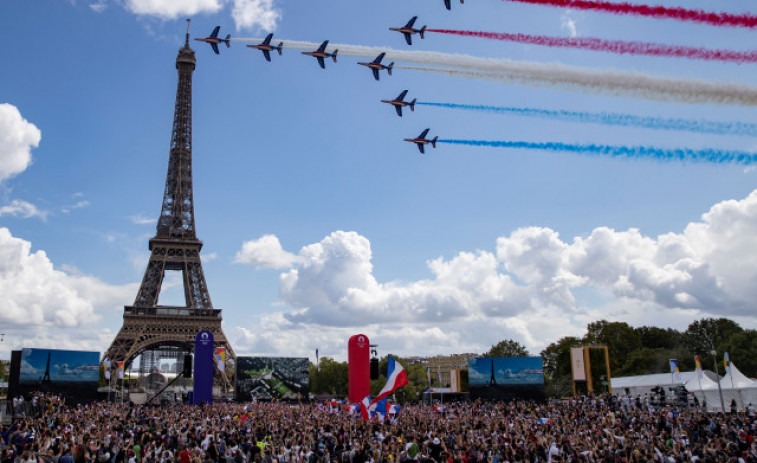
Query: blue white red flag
[394, 409]
[364, 405]
[396, 378]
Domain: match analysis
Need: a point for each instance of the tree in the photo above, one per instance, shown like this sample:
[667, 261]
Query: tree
[742, 350]
[507, 348]
[619, 337]
[704, 335]
[556, 361]
[332, 379]
[653, 337]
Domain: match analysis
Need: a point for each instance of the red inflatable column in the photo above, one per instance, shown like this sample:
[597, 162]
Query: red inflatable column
[358, 361]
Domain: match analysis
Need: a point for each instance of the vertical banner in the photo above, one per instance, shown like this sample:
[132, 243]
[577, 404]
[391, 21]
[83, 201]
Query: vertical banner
[359, 369]
[675, 371]
[577, 365]
[220, 357]
[317, 362]
[203, 368]
[700, 372]
[120, 369]
[106, 370]
[727, 363]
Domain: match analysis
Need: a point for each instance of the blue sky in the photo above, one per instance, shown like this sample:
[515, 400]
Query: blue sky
[319, 222]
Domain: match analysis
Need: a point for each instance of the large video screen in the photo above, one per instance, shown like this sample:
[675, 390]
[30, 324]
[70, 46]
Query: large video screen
[272, 378]
[73, 374]
[506, 378]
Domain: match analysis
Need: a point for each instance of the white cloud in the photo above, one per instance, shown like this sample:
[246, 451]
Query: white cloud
[77, 205]
[471, 301]
[143, 220]
[20, 208]
[249, 14]
[37, 295]
[17, 138]
[172, 9]
[265, 252]
[568, 23]
[99, 6]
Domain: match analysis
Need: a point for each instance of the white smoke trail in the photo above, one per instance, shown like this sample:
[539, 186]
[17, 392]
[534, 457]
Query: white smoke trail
[607, 82]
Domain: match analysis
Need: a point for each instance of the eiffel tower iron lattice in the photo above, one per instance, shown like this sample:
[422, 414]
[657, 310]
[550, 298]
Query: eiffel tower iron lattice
[175, 247]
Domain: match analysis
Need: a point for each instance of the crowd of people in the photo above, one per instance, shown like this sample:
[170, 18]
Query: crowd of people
[588, 429]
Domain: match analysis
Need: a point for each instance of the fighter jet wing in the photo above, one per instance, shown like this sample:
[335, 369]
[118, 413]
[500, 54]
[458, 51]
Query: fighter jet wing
[215, 48]
[408, 38]
[267, 55]
[420, 147]
[321, 62]
[375, 73]
[399, 110]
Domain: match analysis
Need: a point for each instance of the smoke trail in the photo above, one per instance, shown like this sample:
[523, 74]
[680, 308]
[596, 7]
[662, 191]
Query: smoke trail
[631, 152]
[617, 84]
[660, 12]
[618, 119]
[614, 46]
[607, 82]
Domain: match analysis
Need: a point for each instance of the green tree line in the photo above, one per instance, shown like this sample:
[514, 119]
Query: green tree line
[632, 351]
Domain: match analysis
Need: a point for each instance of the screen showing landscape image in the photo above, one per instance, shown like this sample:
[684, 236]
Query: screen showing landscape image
[73, 374]
[506, 378]
[272, 378]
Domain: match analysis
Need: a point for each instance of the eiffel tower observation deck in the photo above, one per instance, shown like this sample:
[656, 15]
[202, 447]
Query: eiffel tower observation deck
[175, 247]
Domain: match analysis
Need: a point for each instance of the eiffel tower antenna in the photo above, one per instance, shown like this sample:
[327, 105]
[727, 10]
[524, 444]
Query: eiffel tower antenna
[147, 325]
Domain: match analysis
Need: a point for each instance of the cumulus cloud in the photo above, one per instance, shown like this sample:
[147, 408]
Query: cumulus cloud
[19, 208]
[249, 14]
[35, 294]
[17, 138]
[265, 252]
[172, 9]
[526, 290]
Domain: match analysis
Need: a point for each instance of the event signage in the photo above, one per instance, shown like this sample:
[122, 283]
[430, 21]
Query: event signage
[203, 368]
[359, 369]
[577, 363]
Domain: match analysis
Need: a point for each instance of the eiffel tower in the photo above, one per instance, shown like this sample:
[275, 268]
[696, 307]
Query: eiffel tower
[175, 246]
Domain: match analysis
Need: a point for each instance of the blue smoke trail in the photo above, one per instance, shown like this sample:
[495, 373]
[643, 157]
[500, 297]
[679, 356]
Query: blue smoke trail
[676, 154]
[619, 119]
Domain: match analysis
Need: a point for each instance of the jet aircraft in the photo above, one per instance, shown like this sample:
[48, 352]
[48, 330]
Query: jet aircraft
[448, 4]
[399, 102]
[321, 53]
[266, 47]
[408, 30]
[214, 40]
[422, 140]
[376, 65]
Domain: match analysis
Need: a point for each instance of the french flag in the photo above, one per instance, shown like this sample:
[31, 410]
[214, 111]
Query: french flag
[396, 378]
[394, 409]
[364, 407]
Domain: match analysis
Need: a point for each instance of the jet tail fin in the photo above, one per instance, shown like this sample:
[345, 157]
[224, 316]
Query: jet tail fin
[228, 41]
[433, 142]
[389, 68]
[333, 55]
[279, 48]
[422, 31]
[412, 104]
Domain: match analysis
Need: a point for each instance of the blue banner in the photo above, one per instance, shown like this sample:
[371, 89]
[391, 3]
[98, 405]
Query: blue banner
[203, 368]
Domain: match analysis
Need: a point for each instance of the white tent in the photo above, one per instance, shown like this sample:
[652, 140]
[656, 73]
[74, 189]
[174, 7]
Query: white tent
[705, 389]
[737, 387]
[643, 384]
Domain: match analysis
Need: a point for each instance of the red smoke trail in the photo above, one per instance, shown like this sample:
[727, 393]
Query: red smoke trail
[614, 46]
[682, 14]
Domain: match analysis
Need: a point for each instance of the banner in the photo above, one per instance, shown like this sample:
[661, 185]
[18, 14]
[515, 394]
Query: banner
[120, 369]
[675, 371]
[577, 363]
[317, 363]
[700, 372]
[727, 363]
[203, 368]
[220, 356]
[106, 369]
